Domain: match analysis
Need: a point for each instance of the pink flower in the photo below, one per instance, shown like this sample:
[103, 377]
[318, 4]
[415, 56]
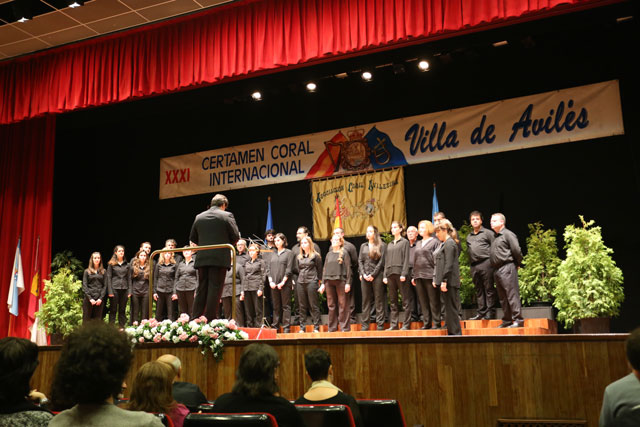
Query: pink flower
[135, 323]
[213, 336]
[197, 320]
[141, 339]
[232, 325]
[184, 318]
[193, 338]
[157, 338]
[203, 319]
[144, 322]
[153, 323]
[183, 337]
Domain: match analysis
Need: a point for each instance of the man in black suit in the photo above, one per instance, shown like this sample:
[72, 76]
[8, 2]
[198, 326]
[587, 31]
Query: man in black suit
[212, 227]
[188, 394]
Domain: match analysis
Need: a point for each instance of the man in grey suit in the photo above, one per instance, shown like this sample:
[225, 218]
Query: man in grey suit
[211, 227]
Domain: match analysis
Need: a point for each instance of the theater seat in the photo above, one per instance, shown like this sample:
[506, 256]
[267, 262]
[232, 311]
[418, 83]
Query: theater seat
[164, 418]
[249, 419]
[381, 413]
[324, 415]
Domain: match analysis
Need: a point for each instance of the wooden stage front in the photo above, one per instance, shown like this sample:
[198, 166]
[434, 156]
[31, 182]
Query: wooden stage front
[439, 380]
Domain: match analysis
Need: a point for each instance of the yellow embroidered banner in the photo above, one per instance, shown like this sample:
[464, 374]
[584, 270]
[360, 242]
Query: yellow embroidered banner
[367, 199]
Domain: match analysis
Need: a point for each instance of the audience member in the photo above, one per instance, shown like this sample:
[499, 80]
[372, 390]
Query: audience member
[151, 392]
[256, 388]
[621, 402]
[91, 369]
[186, 393]
[317, 362]
[18, 361]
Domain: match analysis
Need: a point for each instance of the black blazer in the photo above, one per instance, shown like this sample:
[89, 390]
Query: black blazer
[447, 267]
[212, 227]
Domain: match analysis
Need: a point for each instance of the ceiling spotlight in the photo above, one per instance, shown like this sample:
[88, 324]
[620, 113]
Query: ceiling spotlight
[367, 76]
[423, 65]
[77, 3]
[311, 87]
[257, 96]
[501, 43]
[23, 19]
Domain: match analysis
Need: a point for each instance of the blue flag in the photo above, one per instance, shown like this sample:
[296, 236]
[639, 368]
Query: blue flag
[383, 153]
[17, 283]
[269, 218]
[434, 204]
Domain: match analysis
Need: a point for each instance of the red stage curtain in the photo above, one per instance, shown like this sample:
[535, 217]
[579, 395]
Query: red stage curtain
[237, 40]
[26, 179]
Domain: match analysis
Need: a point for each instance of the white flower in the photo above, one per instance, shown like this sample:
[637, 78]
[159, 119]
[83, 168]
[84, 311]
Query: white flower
[228, 335]
[199, 342]
[147, 335]
[194, 326]
[175, 339]
[154, 330]
[206, 329]
[167, 336]
[217, 342]
[163, 329]
[244, 335]
[180, 331]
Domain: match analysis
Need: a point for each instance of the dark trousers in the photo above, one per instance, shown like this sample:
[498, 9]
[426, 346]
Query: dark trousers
[308, 302]
[506, 278]
[281, 299]
[354, 296]
[443, 304]
[119, 306]
[396, 285]
[429, 301]
[373, 295]
[185, 302]
[139, 306]
[452, 314]
[338, 304]
[164, 306]
[252, 308]
[210, 283]
[482, 276]
[91, 311]
[226, 307]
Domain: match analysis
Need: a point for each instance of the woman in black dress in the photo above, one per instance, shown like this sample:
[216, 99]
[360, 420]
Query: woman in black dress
[370, 267]
[255, 272]
[396, 271]
[423, 268]
[140, 286]
[447, 275]
[309, 266]
[279, 271]
[119, 285]
[164, 286]
[94, 287]
[336, 278]
[186, 282]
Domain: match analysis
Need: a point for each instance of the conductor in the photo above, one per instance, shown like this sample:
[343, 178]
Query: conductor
[211, 227]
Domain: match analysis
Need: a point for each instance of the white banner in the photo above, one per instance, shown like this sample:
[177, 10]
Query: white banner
[585, 112]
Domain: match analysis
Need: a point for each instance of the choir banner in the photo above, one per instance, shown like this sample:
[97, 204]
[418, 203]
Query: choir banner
[580, 113]
[365, 199]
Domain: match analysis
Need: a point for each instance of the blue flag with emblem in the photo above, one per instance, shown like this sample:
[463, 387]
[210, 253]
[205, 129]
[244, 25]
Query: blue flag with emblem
[383, 153]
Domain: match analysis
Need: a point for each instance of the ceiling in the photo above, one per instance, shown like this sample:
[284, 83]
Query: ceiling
[54, 23]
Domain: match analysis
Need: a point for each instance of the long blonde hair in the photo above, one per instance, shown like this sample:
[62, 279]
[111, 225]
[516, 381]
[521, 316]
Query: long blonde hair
[136, 265]
[445, 224]
[92, 268]
[312, 250]
[172, 260]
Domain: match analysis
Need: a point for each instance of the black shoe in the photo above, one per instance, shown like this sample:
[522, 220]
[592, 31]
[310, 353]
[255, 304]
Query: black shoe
[365, 327]
[489, 317]
[316, 330]
[505, 324]
[516, 325]
[477, 317]
[379, 328]
[426, 326]
[405, 328]
[392, 329]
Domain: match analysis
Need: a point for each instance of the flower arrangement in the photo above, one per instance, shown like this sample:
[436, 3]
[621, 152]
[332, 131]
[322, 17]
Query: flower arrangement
[210, 336]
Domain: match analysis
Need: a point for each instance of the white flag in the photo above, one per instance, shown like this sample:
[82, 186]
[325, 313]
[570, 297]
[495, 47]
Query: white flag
[17, 283]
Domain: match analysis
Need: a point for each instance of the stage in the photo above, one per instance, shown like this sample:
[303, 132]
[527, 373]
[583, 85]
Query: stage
[469, 380]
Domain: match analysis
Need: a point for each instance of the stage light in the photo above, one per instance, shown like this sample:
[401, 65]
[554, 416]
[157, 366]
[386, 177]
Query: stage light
[501, 43]
[76, 3]
[21, 10]
[257, 96]
[423, 65]
[367, 76]
[23, 19]
[311, 87]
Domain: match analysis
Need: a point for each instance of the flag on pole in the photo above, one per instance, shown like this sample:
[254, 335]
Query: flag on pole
[434, 204]
[38, 334]
[17, 283]
[269, 217]
[338, 222]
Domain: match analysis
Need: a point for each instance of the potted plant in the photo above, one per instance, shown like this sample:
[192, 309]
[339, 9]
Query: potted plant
[537, 277]
[62, 311]
[467, 288]
[589, 284]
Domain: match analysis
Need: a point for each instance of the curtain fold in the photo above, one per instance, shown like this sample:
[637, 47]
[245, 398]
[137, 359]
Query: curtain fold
[26, 180]
[235, 40]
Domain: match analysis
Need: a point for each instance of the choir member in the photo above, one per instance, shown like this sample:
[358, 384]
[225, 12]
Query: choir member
[308, 263]
[94, 287]
[164, 286]
[396, 271]
[370, 268]
[119, 285]
[279, 271]
[336, 278]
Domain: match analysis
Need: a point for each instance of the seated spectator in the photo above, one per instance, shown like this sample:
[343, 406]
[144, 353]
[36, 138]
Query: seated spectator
[322, 391]
[151, 392]
[18, 361]
[188, 394]
[90, 371]
[621, 402]
[256, 388]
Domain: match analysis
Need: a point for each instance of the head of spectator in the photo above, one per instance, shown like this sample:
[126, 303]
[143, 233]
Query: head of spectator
[18, 362]
[172, 361]
[257, 371]
[317, 363]
[241, 245]
[151, 388]
[220, 201]
[412, 234]
[92, 366]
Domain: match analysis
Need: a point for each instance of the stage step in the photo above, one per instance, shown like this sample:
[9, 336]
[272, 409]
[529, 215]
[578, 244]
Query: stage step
[469, 327]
